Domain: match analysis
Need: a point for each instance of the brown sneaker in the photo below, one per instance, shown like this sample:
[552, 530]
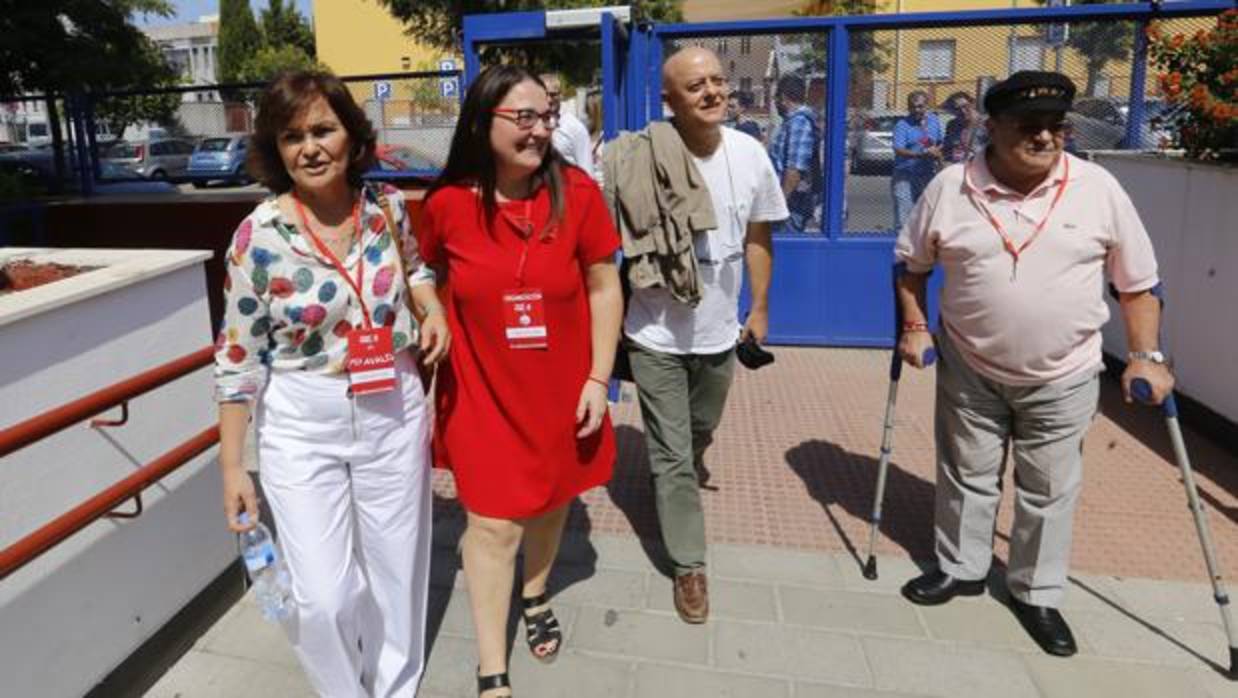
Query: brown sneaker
[692, 597]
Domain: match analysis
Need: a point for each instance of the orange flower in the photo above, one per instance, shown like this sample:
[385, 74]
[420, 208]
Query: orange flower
[1177, 41]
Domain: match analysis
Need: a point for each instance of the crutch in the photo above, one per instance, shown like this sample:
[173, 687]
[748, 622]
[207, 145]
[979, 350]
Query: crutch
[1141, 390]
[887, 430]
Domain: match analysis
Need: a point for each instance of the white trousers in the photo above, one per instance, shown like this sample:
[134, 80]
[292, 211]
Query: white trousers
[348, 480]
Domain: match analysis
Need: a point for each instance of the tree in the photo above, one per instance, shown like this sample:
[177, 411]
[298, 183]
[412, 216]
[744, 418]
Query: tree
[239, 38]
[1099, 42]
[437, 23]
[868, 55]
[62, 46]
[283, 25]
[270, 61]
[119, 112]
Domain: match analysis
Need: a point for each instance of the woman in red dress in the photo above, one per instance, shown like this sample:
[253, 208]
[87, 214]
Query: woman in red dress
[527, 247]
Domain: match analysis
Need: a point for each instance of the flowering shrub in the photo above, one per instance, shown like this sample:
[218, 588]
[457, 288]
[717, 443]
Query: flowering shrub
[1201, 74]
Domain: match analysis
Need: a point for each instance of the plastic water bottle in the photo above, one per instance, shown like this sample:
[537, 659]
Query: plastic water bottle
[267, 572]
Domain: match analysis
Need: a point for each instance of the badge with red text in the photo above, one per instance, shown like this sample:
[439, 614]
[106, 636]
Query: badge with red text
[371, 361]
[524, 319]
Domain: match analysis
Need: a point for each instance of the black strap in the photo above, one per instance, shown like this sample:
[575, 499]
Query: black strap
[493, 681]
[539, 600]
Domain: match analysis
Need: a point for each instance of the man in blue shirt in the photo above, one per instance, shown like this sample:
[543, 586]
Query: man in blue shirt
[917, 154]
[795, 152]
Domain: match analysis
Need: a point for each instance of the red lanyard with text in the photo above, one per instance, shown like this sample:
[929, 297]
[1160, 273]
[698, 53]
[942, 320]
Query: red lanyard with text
[326, 252]
[525, 230]
[1006, 241]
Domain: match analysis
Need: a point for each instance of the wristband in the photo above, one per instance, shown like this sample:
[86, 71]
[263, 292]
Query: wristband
[915, 327]
[600, 382]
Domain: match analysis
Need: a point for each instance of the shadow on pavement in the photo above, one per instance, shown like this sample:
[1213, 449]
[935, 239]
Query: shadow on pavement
[631, 490]
[1147, 426]
[836, 476]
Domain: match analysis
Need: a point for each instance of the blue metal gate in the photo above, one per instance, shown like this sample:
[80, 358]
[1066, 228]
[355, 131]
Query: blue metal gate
[832, 285]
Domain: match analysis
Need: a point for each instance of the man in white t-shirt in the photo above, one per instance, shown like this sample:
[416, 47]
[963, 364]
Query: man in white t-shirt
[683, 356]
[571, 136]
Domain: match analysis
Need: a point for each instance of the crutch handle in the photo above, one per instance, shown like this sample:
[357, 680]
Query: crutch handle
[1141, 390]
[929, 357]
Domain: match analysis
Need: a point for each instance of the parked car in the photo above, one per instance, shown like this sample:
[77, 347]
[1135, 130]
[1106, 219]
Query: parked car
[1100, 122]
[36, 170]
[871, 142]
[398, 158]
[153, 159]
[220, 159]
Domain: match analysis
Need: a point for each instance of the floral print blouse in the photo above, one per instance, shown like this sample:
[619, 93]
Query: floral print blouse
[288, 308]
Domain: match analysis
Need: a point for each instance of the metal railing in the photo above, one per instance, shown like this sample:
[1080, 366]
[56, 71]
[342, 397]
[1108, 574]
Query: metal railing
[103, 504]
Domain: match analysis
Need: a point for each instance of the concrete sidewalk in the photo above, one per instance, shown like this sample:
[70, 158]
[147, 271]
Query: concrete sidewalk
[785, 623]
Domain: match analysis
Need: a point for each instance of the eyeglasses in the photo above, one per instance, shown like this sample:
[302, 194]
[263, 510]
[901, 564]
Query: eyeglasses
[1033, 128]
[525, 119]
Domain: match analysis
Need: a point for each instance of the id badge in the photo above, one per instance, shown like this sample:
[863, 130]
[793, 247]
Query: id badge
[524, 319]
[371, 361]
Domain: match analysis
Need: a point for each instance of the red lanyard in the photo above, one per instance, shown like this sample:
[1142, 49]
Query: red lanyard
[1006, 241]
[339, 266]
[524, 228]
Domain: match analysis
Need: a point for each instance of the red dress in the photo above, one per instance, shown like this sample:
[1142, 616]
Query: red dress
[506, 418]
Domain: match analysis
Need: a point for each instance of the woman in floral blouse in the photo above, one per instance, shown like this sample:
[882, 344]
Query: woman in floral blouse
[317, 337]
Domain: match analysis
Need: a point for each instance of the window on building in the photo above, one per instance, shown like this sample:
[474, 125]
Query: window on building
[1027, 53]
[936, 60]
[722, 47]
[745, 45]
[745, 84]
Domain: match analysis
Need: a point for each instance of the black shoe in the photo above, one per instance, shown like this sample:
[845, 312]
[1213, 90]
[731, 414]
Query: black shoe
[1046, 626]
[937, 587]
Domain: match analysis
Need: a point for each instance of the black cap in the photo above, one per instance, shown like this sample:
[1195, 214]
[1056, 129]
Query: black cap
[1030, 91]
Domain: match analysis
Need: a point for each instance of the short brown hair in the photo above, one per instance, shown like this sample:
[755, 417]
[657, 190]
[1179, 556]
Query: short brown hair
[281, 102]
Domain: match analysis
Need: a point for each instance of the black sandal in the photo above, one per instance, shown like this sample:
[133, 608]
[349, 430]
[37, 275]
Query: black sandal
[541, 629]
[491, 682]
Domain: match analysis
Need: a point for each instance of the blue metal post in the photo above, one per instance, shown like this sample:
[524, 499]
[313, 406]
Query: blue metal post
[1139, 77]
[634, 80]
[472, 66]
[653, 87]
[837, 86]
[610, 77]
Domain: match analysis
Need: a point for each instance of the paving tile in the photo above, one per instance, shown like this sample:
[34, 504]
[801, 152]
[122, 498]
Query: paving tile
[773, 565]
[571, 675]
[988, 625]
[1096, 678]
[242, 633]
[206, 675]
[640, 635]
[1214, 684]
[804, 689]
[658, 680]
[1158, 598]
[621, 552]
[452, 669]
[892, 573]
[727, 599]
[1153, 640]
[608, 588]
[800, 653]
[940, 668]
[849, 610]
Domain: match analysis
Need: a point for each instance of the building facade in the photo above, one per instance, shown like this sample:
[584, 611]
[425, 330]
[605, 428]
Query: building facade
[192, 49]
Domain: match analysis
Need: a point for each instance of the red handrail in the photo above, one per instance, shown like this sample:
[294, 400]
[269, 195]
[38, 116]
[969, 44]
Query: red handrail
[27, 549]
[25, 433]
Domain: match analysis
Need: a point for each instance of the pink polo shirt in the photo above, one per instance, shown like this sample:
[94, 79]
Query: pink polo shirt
[1040, 323]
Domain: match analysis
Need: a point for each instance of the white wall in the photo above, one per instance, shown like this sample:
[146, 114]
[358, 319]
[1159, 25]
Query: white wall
[1191, 213]
[79, 610]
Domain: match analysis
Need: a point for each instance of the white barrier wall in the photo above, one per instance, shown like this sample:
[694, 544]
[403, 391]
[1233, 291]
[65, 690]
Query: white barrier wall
[74, 614]
[1191, 212]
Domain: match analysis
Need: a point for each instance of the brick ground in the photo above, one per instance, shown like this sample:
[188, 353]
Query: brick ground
[795, 460]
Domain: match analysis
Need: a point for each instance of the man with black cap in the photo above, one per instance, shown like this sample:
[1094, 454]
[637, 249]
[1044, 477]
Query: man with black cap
[1026, 234]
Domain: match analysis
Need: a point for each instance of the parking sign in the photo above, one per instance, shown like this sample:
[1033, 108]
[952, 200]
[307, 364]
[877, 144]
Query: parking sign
[382, 90]
[448, 87]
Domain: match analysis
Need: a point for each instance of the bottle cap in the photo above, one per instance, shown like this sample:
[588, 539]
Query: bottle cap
[243, 518]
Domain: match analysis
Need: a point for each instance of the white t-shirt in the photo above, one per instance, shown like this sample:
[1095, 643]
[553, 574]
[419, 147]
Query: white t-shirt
[572, 141]
[744, 189]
